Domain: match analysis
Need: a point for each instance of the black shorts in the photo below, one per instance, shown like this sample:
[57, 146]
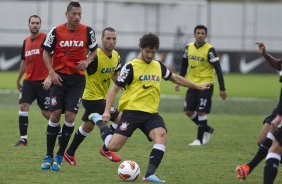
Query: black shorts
[68, 96]
[269, 118]
[131, 120]
[32, 90]
[278, 136]
[200, 101]
[97, 106]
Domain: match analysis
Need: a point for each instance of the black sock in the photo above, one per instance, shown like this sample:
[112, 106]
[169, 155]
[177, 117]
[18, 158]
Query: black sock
[105, 148]
[208, 129]
[156, 157]
[23, 125]
[66, 134]
[52, 133]
[195, 120]
[261, 154]
[77, 140]
[201, 129]
[101, 124]
[270, 170]
[105, 131]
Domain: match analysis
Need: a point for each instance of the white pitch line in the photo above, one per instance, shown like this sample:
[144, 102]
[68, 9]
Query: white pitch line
[179, 97]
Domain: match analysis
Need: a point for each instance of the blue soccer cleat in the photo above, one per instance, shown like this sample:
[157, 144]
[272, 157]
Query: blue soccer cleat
[95, 117]
[153, 178]
[47, 162]
[56, 166]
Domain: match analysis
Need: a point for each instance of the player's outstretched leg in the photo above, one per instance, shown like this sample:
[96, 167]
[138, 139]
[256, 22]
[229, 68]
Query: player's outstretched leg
[105, 131]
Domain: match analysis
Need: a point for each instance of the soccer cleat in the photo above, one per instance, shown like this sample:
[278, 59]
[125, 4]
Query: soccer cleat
[56, 166]
[153, 178]
[70, 159]
[47, 162]
[196, 142]
[95, 117]
[242, 171]
[112, 156]
[21, 143]
[207, 136]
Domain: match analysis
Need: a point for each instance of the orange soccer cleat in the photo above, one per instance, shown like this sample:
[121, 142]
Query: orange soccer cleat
[112, 156]
[242, 171]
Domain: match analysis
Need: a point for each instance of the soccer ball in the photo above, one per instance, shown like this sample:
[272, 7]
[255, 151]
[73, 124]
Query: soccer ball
[128, 170]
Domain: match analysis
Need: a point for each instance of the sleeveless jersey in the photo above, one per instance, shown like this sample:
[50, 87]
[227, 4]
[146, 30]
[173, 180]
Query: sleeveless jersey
[70, 47]
[199, 70]
[143, 93]
[98, 83]
[32, 53]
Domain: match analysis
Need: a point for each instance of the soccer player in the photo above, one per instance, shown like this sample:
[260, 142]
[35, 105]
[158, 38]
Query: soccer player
[99, 74]
[70, 44]
[266, 135]
[36, 83]
[200, 59]
[141, 79]
[264, 142]
[275, 151]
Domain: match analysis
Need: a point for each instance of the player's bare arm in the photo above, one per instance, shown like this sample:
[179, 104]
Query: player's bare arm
[47, 83]
[83, 64]
[20, 74]
[274, 62]
[177, 79]
[55, 78]
[109, 102]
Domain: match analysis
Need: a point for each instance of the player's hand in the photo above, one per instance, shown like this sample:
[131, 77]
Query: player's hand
[177, 87]
[261, 48]
[205, 86]
[19, 86]
[223, 94]
[82, 65]
[106, 116]
[47, 83]
[55, 78]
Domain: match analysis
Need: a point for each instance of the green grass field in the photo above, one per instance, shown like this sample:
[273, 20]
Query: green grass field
[237, 122]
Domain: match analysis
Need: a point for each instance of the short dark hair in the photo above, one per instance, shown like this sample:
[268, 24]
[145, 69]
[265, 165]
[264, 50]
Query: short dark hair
[107, 29]
[149, 40]
[201, 27]
[73, 4]
[34, 16]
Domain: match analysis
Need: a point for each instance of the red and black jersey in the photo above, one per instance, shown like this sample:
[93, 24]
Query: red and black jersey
[32, 53]
[70, 47]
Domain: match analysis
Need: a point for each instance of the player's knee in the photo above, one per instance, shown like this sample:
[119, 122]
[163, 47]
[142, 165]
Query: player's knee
[46, 114]
[24, 107]
[160, 136]
[55, 116]
[70, 116]
[87, 127]
[189, 113]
